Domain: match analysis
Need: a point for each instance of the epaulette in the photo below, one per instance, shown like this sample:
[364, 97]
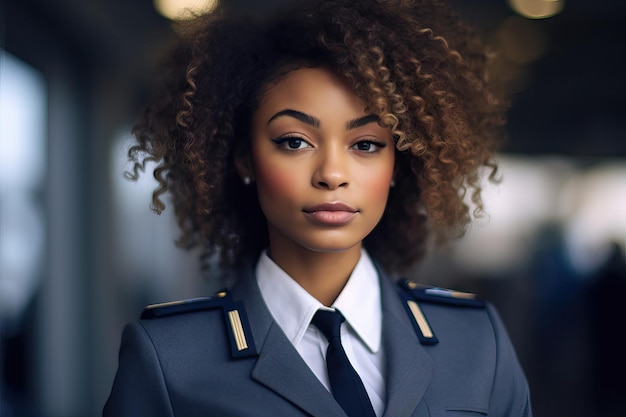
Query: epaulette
[411, 292]
[234, 312]
[440, 295]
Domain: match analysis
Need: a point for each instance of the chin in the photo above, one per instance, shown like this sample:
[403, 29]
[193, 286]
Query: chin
[330, 246]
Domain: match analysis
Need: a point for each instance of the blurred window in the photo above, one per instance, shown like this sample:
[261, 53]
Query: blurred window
[23, 127]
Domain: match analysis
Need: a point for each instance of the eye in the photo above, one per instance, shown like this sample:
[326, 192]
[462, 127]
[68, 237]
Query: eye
[291, 143]
[369, 146]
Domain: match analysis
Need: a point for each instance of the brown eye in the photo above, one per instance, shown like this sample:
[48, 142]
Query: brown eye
[291, 143]
[369, 146]
[294, 143]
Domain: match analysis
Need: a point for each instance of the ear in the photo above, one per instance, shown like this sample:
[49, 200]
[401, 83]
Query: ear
[394, 176]
[243, 164]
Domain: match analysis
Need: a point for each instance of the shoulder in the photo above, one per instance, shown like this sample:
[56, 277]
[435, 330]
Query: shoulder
[436, 312]
[465, 333]
[191, 305]
[219, 318]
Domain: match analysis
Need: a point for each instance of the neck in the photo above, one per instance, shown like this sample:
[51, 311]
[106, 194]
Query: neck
[321, 274]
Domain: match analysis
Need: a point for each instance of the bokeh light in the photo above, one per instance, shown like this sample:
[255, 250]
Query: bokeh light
[184, 9]
[537, 9]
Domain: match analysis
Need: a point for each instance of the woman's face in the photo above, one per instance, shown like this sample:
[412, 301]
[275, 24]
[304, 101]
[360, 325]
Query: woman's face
[322, 165]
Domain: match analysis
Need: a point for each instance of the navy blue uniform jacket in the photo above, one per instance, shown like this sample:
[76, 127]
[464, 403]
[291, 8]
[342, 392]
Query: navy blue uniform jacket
[181, 365]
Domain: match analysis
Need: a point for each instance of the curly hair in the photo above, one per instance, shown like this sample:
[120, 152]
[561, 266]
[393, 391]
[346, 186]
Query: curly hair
[415, 64]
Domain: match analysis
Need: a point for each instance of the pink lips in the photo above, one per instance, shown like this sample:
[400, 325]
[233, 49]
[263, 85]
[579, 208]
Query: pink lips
[331, 214]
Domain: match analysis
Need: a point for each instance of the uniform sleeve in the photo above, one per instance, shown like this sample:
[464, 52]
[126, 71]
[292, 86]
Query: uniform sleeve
[510, 395]
[139, 388]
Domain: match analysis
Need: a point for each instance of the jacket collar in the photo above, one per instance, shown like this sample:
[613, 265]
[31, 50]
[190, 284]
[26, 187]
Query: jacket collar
[409, 367]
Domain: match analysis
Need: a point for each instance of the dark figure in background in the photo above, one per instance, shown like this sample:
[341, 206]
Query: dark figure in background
[606, 315]
[316, 151]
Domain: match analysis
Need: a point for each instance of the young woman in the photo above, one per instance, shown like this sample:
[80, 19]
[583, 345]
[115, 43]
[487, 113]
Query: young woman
[314, 152]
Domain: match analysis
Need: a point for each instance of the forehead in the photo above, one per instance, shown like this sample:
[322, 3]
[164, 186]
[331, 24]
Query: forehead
[314, 89]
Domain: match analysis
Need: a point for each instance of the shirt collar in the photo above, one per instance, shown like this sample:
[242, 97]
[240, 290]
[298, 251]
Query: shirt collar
[293, 308]
[359, 302]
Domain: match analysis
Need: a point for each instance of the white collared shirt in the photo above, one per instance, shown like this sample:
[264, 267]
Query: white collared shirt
[359, 302]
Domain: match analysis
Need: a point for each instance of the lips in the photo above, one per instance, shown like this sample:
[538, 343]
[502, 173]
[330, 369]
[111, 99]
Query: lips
[331, 214]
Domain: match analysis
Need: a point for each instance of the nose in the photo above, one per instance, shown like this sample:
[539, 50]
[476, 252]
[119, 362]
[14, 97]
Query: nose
[331, 170]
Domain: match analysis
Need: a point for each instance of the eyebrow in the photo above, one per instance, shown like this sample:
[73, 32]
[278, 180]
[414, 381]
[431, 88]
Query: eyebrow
[362, 121]
[315, 122]
[303, 117]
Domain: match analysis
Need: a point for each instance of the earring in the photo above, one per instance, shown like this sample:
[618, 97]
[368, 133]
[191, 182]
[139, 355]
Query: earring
[247, 180]
[392, 183]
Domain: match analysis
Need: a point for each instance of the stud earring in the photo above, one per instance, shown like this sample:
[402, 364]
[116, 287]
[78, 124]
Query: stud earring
[247, 180]
[392, 183]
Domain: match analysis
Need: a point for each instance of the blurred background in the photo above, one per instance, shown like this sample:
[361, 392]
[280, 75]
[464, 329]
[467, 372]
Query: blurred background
[81, 253]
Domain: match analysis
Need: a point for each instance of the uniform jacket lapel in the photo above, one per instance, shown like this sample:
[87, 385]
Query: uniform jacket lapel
[409, 366]
[279, 367]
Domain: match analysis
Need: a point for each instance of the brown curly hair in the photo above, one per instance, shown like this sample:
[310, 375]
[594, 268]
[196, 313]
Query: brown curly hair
[414, 63]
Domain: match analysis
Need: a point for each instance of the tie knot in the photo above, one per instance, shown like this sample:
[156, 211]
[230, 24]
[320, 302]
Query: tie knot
[328, 322]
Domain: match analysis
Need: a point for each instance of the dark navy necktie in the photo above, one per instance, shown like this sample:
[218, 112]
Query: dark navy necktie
[345, 383]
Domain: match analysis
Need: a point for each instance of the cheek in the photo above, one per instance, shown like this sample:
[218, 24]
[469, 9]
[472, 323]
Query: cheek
[378, 191]
[378, 181]
[274, 181]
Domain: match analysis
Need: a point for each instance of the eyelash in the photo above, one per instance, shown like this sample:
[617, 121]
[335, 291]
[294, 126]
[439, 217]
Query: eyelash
[283, 143]
[378, 145]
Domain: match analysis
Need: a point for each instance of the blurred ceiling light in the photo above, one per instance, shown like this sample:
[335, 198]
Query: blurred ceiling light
[537, 9]
[184, 9]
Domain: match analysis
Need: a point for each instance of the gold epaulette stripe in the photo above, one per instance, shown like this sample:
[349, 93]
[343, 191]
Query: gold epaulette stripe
[237, 328]
[420, 319]
[176, 303]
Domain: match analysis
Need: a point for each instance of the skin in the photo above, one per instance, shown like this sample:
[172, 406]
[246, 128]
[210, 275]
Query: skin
[322, 167]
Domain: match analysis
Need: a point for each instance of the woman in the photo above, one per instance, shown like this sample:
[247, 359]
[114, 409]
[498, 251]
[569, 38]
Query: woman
[298, 148]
